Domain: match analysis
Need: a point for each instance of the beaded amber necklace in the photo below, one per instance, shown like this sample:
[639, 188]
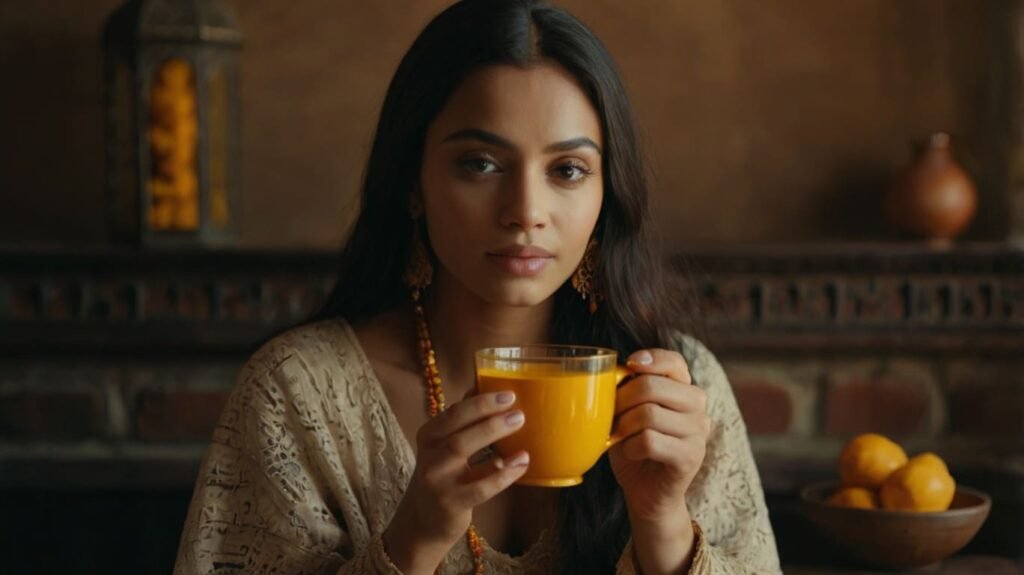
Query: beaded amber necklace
[435, 405]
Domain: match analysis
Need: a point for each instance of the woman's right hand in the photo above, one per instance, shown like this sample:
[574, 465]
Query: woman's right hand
[437, 507]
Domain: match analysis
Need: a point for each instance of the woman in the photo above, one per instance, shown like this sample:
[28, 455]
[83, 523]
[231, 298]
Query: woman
[504, 203]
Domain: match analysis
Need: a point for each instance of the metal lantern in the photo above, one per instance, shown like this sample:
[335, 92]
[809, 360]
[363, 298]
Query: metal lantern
[172, 115]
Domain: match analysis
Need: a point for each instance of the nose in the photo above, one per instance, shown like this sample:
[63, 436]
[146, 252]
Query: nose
[524, 202]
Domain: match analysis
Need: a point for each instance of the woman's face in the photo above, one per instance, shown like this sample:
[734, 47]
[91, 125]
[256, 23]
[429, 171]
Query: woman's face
[511, 182]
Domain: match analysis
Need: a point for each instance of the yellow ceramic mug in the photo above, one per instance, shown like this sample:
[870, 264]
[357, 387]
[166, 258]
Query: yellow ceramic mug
[568, 396]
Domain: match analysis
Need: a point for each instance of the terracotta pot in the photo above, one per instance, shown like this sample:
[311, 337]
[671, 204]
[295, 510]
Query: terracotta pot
[933, 198]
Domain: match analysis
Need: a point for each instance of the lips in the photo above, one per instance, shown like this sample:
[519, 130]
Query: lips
[522, 251]
[521, 260]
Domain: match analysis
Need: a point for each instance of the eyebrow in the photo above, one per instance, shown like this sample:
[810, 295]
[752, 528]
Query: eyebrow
[496, 140]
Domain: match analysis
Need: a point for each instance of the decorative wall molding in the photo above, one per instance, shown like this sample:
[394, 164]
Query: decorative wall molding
[899, 296]
[130, 300]
[911, 298]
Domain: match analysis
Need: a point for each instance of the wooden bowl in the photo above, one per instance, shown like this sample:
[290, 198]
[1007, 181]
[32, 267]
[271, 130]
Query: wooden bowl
[896, 539]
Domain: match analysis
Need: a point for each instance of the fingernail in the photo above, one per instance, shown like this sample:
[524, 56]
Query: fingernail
[515, 419]
[641, 358]
[519, 460]
[505, 397]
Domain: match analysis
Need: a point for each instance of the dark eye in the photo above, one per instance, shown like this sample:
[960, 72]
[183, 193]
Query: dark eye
[480, 165]
[572, 172]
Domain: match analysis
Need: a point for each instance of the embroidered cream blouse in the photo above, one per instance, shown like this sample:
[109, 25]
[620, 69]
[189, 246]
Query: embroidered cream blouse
[308, 464]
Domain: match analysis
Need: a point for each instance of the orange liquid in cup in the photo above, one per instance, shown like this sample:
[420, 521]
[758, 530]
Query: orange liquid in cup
[569, 405]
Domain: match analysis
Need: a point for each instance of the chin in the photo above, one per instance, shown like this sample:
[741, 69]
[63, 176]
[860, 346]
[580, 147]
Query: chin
[522, 295]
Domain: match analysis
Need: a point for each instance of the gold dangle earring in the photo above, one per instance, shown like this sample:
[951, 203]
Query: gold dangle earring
[419, 272]
[584, 279]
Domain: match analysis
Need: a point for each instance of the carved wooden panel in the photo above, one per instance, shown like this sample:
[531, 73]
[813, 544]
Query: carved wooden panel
[869, 296]
[844, 297]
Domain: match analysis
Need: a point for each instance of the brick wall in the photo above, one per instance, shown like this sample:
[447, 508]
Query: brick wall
[907, 397]
[111, 423]
[970, 410]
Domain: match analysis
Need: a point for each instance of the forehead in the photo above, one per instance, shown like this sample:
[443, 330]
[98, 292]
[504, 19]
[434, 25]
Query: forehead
[533, 106]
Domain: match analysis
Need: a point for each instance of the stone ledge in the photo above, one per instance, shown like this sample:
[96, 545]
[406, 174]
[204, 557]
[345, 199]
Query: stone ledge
[93, 467]
[140, 465]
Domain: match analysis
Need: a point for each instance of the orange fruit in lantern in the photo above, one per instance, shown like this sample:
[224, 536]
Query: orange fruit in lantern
[858, 497]
[176, 74]
[923, 484]
[161, 189]
[185, 185]
[868, 459]
[161, 215]
[186, 217]
[161, 140]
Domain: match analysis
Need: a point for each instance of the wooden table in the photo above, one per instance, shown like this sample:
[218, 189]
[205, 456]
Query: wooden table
[961, 565]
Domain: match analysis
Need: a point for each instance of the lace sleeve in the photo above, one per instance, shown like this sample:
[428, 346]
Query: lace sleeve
[726, 498]
[258, 505]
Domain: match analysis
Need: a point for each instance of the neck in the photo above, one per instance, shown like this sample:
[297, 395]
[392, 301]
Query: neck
[461, 323]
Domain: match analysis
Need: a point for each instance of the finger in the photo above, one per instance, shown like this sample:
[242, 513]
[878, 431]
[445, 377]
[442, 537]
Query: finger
[485, 455]
[661, 362]
[458, 447]
[485, 462]
[684, 455]
[463, 414]
[500, 475]
[655, 417]
[666, 392]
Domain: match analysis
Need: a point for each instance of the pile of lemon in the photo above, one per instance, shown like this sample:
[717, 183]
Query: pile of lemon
[876, 474]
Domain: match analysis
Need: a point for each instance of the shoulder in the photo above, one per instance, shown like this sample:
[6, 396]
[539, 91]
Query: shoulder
[699, 358]
[310, 339]
[302, 360]
[706, 372]
[318, 342]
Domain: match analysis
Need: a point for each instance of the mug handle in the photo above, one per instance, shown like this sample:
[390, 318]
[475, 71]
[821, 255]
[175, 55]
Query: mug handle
[621, 373]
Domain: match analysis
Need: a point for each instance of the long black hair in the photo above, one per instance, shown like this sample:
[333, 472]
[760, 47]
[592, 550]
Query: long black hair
[638, 309]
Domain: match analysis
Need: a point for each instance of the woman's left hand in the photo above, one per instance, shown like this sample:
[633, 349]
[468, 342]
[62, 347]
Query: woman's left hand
[664, 422]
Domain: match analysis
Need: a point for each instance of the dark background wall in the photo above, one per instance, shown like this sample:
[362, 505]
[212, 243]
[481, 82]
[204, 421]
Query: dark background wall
[772, 121]
[764, 122]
